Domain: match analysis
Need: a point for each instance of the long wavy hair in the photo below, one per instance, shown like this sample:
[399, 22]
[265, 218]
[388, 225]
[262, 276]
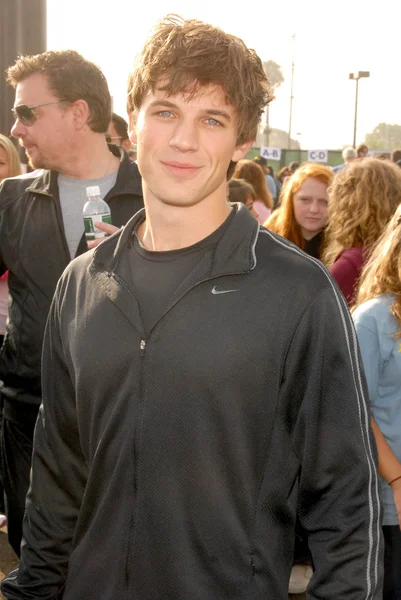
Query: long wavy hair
[253, 174]
[14, 164]
[382, 272]
[362, 199]
[285, 224]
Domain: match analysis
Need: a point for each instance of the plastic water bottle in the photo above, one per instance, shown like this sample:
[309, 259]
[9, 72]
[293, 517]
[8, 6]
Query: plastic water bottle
[95, 210]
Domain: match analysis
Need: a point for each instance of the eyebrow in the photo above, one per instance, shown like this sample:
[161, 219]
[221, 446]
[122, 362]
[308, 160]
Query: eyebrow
[214, 112]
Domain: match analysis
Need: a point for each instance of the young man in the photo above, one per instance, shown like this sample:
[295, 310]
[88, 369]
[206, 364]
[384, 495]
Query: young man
[202, 382]
[62, 111]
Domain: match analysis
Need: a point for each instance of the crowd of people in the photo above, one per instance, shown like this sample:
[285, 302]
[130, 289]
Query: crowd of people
[206, 404]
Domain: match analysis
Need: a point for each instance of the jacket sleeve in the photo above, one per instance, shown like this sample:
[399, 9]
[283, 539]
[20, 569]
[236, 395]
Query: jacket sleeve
[57, 481]
[338, 496]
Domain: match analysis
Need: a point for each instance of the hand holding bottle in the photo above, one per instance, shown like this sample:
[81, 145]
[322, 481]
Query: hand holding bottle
[107, 228]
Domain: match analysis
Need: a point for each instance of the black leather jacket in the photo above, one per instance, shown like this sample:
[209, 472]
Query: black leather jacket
[34, 249]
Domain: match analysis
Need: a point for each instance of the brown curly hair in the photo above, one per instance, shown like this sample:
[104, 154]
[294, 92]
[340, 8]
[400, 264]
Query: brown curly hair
[382, 272]
[285, 224]
[362, 199]
[186, 54]
[253, 174]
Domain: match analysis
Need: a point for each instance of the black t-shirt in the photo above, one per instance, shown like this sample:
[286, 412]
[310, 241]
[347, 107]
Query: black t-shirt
[155, 276]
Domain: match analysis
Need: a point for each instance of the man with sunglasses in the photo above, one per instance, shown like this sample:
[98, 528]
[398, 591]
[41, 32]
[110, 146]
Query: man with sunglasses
[62, 111]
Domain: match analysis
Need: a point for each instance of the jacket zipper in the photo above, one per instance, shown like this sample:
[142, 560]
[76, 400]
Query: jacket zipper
[136, 445]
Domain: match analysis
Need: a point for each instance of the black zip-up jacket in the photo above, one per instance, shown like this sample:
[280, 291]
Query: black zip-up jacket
[172, 466]
[34, 249]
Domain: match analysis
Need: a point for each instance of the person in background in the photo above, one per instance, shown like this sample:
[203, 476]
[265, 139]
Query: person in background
[10, 166]
[349, 155]
[197, 393]
[271, 184]
[362, 199]
[253, 174]
[395, 155]
[117, 132]
[240, 190]
[362, 151]
[377, 317]
[62, 110]
[293, 166]
[303, 213]
[278, 185]
[282, 176]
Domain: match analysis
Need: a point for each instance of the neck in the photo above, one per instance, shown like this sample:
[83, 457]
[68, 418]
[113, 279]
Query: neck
[92, 159]
[174, 227]
[308, 235]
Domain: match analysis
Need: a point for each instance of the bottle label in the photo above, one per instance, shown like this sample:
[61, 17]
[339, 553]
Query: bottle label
[92, 232]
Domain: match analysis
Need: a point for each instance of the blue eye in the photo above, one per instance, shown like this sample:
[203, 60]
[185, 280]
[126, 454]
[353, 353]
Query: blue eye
[212, 122]
[165, 114]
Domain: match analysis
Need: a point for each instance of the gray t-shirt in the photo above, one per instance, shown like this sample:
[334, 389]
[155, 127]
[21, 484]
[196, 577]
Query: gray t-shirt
[72, 194]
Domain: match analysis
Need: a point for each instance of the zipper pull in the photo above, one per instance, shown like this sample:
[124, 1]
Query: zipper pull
[142, 347]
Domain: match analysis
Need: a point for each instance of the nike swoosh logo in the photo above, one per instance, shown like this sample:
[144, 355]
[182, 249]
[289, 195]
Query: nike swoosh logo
[216, 291]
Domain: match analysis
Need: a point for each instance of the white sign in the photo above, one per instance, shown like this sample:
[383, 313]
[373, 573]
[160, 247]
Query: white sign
[270, 153]
[318, 156]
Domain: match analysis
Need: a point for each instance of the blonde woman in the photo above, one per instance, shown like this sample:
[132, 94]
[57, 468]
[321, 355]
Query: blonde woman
[10, 165]
[303, 212]
[253, 174]
[362, 199]
[377, 318]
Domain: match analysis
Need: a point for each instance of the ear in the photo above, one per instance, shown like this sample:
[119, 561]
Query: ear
[241, 150]
[132, 128]
[81, 113]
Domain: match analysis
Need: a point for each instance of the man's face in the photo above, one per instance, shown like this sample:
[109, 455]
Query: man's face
[185, 146]
[50, 138]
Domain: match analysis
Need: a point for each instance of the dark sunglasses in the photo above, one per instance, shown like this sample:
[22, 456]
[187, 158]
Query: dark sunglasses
[25, 113]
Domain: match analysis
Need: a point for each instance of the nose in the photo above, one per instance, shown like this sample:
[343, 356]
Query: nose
[18, 129]
[185, 136]
[314, 207]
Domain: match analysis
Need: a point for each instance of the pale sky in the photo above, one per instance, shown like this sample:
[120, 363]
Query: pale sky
[332, 39]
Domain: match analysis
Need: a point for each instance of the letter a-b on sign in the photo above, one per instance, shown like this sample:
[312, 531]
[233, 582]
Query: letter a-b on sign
[318, 156]
[270, 153]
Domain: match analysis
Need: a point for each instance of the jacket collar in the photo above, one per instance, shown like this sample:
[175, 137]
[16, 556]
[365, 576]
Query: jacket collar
[128, 178]
[235, 252]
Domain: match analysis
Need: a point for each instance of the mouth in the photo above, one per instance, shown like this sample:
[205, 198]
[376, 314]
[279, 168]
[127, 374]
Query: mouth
[180, 168]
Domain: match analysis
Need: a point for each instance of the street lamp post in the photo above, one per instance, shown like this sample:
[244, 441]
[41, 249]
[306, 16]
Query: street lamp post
[357, 76]
[292, 90]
